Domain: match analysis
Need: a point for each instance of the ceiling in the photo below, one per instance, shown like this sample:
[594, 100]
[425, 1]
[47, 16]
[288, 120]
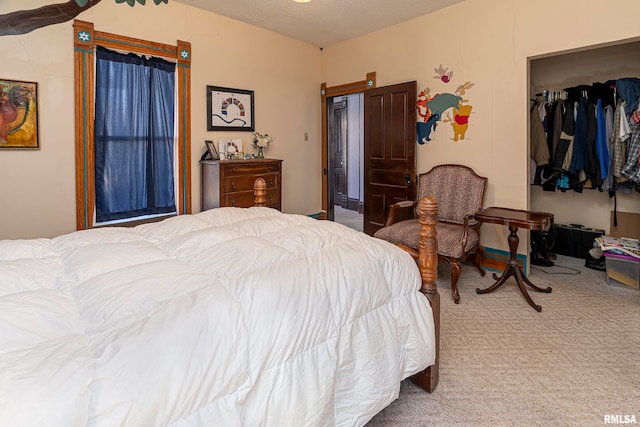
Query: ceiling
[321, 22]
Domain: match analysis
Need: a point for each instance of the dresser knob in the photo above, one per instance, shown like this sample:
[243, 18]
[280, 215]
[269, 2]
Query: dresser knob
[233, 185]
[271, 182]
[233, 203]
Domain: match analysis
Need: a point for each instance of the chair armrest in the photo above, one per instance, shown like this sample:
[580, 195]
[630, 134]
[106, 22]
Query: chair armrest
[401, 211]
[474, 223]
[470, 222]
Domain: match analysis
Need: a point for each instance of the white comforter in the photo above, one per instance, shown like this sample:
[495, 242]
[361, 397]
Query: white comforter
[231, 317]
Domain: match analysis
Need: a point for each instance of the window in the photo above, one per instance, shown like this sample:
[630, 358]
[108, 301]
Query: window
[134, 135]
[131, 160]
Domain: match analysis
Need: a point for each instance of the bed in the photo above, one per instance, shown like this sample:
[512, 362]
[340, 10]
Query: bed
[229, 317]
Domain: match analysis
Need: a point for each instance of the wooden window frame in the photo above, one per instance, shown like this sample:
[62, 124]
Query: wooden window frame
[85, 41]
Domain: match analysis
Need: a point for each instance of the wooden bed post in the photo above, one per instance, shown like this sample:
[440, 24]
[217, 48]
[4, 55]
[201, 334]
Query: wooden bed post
[260, 191]
[428, 265]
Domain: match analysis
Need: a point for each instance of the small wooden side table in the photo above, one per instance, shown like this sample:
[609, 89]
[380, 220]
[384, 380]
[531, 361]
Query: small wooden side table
[514, 218]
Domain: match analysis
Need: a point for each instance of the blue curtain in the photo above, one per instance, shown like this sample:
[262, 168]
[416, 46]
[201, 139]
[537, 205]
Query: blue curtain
[134, 135]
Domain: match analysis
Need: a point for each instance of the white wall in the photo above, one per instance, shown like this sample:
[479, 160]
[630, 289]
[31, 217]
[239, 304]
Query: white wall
[489, 43]
[37, 188]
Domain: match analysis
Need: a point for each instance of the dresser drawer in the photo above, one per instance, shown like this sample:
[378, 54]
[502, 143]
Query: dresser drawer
[273, 199]
[246, 199]
[242, 168]
[246, 182]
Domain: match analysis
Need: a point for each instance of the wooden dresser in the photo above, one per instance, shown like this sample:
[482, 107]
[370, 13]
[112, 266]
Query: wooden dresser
[230, 182]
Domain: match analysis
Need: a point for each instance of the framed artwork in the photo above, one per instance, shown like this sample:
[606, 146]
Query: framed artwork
[230, 109]
[18, 114]
[213, 152]
[231, 148]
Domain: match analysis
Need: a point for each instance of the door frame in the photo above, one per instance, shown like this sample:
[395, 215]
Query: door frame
[337, 118]
[329, 92]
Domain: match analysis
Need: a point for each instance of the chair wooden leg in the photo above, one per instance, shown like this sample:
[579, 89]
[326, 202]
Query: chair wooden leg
[479, 257]
[455, 274]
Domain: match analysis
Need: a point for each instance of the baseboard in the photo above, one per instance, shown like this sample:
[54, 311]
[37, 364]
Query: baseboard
[497, 260]
[353, 204]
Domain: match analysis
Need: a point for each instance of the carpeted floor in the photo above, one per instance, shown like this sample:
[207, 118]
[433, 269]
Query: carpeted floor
[504, 364]
[351, 219]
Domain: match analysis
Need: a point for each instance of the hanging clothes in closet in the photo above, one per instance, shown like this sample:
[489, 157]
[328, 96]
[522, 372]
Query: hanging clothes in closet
[587, 136]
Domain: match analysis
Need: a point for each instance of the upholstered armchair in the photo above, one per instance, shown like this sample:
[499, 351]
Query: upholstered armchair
[459, 192]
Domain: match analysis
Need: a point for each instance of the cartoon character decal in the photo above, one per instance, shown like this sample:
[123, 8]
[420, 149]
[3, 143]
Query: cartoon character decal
[460, 121]
[423, 110]
[445, 107]
[442, 74]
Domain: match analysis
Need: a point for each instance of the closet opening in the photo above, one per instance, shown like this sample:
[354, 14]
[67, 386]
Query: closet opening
[584, 83]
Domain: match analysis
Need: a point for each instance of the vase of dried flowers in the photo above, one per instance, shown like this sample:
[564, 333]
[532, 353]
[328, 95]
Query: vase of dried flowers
[261, 141]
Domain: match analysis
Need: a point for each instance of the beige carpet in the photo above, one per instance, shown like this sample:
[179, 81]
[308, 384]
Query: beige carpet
[504, 364]
[351, 219]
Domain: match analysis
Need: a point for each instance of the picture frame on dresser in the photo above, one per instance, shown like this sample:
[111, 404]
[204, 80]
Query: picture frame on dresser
[19, 115]
[213, 151]
[230, 109]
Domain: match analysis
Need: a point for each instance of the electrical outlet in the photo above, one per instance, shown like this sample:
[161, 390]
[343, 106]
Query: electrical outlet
[306, 136]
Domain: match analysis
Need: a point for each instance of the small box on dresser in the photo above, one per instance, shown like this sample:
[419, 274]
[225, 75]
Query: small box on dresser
[230, 182]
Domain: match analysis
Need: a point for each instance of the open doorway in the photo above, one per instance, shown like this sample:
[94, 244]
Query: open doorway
[387, 159]
[345, 131]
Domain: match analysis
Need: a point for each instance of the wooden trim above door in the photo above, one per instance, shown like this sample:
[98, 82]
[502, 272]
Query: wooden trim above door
[329, 92]
[348, 88]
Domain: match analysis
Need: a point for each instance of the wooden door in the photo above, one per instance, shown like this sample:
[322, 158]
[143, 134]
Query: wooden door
[389, 150]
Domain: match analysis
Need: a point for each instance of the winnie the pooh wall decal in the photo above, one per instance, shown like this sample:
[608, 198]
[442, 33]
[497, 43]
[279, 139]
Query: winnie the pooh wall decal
[460, 121]
[445, 107]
